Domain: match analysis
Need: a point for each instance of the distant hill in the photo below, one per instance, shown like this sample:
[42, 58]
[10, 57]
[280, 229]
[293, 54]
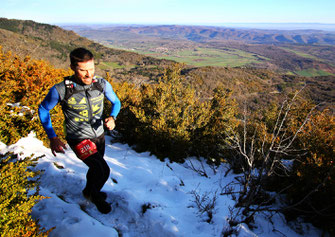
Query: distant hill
[211, 33]
[257, 86]
[281, 26]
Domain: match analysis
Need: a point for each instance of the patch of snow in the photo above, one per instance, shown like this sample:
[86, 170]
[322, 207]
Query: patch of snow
[149, 197]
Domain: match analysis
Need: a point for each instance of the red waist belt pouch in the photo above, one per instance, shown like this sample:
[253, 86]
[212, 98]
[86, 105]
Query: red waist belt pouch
[85, 149]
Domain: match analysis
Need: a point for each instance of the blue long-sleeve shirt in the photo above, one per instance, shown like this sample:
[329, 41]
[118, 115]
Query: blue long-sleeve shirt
[53, 98]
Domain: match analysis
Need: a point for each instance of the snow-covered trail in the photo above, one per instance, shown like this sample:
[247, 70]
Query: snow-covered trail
[149, 197]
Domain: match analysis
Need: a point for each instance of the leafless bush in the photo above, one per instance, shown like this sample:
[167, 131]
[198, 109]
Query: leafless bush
[205, 203]
[200, 170]
[261, 157]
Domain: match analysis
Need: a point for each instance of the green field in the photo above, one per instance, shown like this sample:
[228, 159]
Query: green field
[108, 65]
[301, 54]
[209, 57]
[313, 73]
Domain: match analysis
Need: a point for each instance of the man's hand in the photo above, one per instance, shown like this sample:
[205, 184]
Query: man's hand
[57, 145]
[110, 123]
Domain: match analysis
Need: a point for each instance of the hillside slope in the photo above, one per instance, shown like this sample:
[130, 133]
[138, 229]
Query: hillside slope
[53, 44]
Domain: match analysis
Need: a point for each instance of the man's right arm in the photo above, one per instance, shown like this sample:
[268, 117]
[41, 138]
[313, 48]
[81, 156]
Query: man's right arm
[49, 102]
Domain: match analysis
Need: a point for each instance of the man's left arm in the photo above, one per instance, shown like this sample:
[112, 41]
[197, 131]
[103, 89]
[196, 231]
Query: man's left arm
[116, 106]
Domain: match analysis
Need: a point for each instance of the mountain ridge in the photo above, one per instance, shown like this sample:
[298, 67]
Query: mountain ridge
[209, 33]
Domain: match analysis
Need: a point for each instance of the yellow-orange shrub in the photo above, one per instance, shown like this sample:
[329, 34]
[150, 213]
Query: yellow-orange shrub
[24, 83]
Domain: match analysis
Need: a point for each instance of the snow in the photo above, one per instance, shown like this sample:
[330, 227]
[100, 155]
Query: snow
[149, 197]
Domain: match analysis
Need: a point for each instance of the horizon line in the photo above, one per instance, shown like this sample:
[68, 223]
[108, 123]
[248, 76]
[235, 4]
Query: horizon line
[173, 23]
[190, 23]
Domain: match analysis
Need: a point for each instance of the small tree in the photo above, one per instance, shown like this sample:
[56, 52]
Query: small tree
[167, 114]
[209, 139]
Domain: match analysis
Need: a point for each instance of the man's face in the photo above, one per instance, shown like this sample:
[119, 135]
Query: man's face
[84, 71]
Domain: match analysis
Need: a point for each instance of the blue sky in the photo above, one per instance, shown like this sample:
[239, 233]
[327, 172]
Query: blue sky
[170, 11]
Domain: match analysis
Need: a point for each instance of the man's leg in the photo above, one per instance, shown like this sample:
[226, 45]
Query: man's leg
[97, 174]
[105, 170]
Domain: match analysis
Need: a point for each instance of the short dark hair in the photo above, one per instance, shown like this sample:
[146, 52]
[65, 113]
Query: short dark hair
[80, 55]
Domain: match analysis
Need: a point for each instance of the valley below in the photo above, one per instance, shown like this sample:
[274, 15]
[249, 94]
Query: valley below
[300, 52]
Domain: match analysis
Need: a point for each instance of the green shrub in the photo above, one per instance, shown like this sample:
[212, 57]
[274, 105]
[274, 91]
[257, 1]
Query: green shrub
[219, 121]
[169, 120]
[313, 175]
[17, 182]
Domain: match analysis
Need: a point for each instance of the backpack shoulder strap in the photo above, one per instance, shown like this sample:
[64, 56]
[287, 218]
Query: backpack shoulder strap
[97, 84]
[69, 89]
[65, 89]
